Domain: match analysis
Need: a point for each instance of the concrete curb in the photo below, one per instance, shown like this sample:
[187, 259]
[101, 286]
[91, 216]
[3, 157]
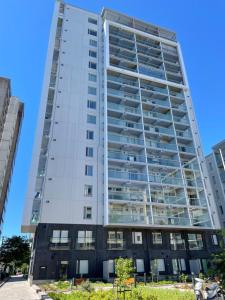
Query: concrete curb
[41, 294]
[4, 281]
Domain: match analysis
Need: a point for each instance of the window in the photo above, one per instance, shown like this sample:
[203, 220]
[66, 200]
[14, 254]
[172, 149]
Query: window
[214, 179]
[88, 189]
[137, 237]
[88, 170]
[140, 265]
[195, 241]
[92, 77]
[179, 265]
[115, 240]
[92, 65]
[210, 166]
[92, 32]
[221, 209]
[215, 240]
[176, 241]
[93, 43]
[92, 53]
[157, 238]
[91, 104]
[82, 267]
[90, 135]
[91, 119]
[87, 212]
[89, 152]
[157, 265]
[92, 21]
[92, 90]
[85, 240]
[60, 236]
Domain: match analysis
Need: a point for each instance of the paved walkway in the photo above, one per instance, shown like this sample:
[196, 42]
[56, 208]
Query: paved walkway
[17, 289]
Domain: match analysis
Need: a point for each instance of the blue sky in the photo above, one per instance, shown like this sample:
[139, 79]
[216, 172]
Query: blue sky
[24, 31]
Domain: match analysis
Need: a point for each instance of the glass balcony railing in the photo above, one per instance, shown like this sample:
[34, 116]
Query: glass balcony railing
[165, 146]
[176, 94]
[164, 130]
[165, 179]
[120, 94]
[185, 134]
[121, 43]
[123, 108]
[148, 43]
[125, 218]
[179, 199]
[125, 139]
[179, 107]
[127, 175]
[201, 221]
[121, 34]
[150, 71]
[126, 156]
[182, 120]
[197, 202]
[122, 56]
[163, 161]
[157, 115]
[85, 243]
[116, 244]
[122, 80]
[186, 149]
[122, 123]
[166, 220]
[127, 196]
[155, 102]
[153, 88]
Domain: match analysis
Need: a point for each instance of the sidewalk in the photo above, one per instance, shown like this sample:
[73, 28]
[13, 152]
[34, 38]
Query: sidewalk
[17, 288]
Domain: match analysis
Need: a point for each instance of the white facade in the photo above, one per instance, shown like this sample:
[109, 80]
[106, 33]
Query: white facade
[147, 167]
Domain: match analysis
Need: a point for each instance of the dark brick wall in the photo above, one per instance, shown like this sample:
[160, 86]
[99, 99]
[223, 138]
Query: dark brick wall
[43, 256]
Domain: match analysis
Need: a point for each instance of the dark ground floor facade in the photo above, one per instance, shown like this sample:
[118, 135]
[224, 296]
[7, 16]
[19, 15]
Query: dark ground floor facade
[67, 251]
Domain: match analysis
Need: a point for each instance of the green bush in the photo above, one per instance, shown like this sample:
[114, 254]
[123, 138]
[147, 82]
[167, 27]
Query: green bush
[137, 294]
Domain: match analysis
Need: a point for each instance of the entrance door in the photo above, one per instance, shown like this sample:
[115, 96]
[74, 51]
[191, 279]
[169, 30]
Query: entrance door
[195, 266]
[63, 270]
[42, 272]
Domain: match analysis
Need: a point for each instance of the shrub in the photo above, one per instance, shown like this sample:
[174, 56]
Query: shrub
[123, 270]
[183, 278]
[86, 286]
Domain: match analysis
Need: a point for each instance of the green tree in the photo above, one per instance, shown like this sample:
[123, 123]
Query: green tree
[15, 252]
[218, 259]
[123, 269]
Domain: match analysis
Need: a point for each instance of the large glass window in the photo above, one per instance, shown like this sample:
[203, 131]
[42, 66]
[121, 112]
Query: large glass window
[82, 267]
[91, 104]
[90, 135]
[92, 77]
[88, 170]
[91, 119]
[195, 241]
[176, 241]
[140, 265]
[179, 265]
[92, 91]
[85, 240]
[92, 21]
[93, 43]
[60, 236]
[92, 32]
[89, 152]
[157, 265]
[115, 240]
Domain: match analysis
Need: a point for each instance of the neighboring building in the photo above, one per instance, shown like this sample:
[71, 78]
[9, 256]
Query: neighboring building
[118, 168]
[11, 113]
[216, 169]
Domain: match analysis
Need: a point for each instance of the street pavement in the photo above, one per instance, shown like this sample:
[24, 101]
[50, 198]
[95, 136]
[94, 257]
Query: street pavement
[17, 289]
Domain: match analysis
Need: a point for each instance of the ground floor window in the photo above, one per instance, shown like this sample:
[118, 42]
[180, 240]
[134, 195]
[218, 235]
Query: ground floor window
[157, 265]
[139, 264]
[82, 267]
[179, 265]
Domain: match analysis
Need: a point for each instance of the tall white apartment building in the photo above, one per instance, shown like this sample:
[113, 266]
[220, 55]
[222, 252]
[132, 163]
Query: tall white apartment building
[118, 168]
[216, 168]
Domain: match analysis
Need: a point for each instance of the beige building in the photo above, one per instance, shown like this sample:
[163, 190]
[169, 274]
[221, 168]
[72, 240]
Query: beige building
[11, 113]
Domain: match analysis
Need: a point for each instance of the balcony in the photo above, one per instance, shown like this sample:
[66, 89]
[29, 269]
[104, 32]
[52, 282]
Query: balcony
[120, 94]
[152, 88]
[123, 108]
[127, 175]
[165, 179]
[186, 149]
[170, 220]
[184, 134]
[127, 196]
[155, 102]
[125, 44]
[165, 146]
[85, 243]
[121, 34]
[179, 199]
[157, 115]
[163, 162]
[183, 120]
[181, 107]
[125, 218]
[126, 156]
[122, 80]
[176, 94]
[116, 244]
[122, 123]
[125, 139]
[59, 243]
[163, 130]
[151, 71]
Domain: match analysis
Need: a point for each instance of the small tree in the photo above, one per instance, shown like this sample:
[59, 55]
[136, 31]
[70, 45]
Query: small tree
[218, 259]
[15, 252]
[123, 269]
